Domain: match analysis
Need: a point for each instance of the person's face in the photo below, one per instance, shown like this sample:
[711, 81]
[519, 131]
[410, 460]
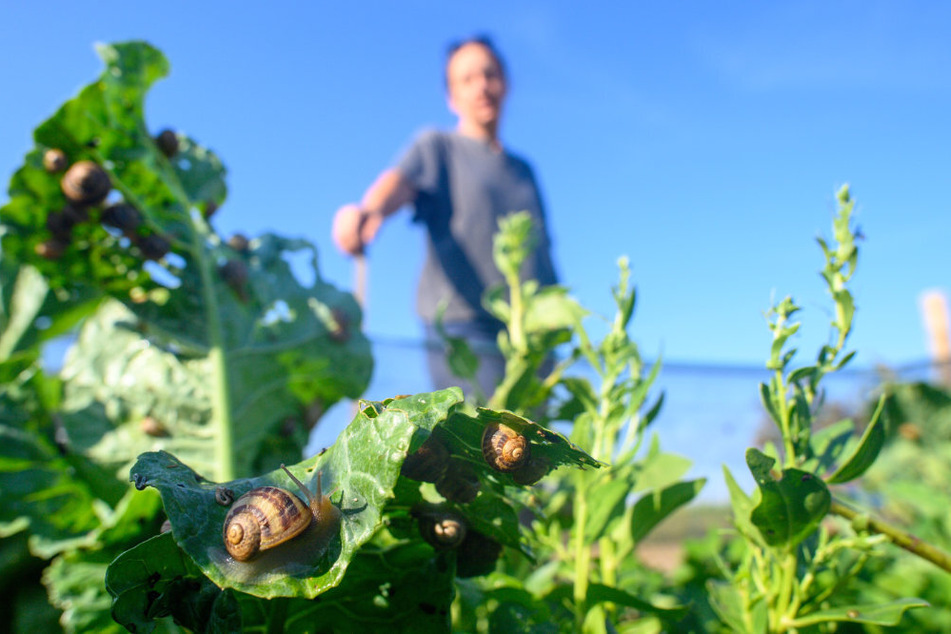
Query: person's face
[475, 84]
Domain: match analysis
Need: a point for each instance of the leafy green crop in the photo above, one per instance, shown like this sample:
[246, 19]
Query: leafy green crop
[187, 342]
[795, 559]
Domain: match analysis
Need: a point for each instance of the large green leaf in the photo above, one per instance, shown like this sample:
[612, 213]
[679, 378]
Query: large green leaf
[405, 587]
[40, 486]
[465, 439]
[791, 507]
[273, 348]
[126, 392]
[156, 579]
[360, 470]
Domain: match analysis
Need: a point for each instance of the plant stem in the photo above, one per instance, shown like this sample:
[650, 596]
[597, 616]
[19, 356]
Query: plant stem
[582, 553]
[517, 321]
[786, 603]
[898, 536]
[789, 447]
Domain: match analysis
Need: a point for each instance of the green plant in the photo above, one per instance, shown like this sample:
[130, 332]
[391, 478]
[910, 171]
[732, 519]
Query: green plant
[168, 355]
[795, 558]
[585, 524]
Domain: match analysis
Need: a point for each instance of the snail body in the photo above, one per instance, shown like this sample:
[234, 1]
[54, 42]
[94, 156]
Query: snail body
[268, 516]
[504, 448]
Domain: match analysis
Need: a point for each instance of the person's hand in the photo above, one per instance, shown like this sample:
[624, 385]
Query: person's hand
[354, 228]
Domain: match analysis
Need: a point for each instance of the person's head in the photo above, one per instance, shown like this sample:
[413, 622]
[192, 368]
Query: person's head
[476, 83]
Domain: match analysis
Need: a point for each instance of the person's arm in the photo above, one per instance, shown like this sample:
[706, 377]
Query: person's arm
[355, 226]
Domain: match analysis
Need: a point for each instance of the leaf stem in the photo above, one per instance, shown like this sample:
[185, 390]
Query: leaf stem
[899, 537]
[582, 554]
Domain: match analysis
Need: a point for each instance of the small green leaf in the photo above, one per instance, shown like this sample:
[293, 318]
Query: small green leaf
[767, 399]
[655, 506]
[726, 601]
[828, 444]
[791, 507]
[742, 506]
[611, 496]
[867, 450]
[658, 470]
[600, 593]
[876, 614]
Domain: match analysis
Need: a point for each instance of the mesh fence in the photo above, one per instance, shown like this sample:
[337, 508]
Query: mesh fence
[711, 413]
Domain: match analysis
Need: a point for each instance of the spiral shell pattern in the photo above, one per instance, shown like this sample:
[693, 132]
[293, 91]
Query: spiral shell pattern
[264, 518]
[504, 448]
[85, 183]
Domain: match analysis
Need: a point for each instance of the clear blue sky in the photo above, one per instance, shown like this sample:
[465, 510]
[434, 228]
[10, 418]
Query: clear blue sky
[704, 140]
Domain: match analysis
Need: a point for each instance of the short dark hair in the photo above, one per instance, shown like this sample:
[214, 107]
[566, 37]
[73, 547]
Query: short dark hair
[482, 40]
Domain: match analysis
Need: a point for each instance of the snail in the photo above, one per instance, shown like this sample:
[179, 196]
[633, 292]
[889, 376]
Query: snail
[235, 274]
[477, 555]
[269, 516]
[154, 247]
[532, 471]
[60, 225]
[441, 529]
[459, 483]
[210, 208]
[167, 142]
[51, 249]
[428, 463]
[54, 160]
[504, 448]
[339, 329]
[239, 242]
[85, 183]
[123, 217]
[153, 427]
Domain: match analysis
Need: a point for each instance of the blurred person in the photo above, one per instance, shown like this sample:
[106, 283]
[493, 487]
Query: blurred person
[459, 184]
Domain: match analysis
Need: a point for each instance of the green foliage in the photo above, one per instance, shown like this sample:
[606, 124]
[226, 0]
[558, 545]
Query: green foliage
[586, 524]
[795, 559]
[173, 352]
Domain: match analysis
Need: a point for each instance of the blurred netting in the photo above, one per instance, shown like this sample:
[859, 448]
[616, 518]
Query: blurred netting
[711, 413]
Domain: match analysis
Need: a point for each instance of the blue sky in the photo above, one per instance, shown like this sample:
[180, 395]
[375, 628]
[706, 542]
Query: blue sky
[703, 140]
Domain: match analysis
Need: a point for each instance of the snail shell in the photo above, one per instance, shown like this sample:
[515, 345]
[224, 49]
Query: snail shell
[167, 142]
[54, 160]
[504, 448]
[268, 516]
[154, 247]
[532, 471]
[123, 217]
[459, 483]
[442, 530]
[428, 463]
[477, 555]
[85, 183]
[235, 274]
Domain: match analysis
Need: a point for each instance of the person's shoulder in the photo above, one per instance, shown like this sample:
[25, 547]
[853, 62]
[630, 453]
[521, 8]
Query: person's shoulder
[519, 160]
[429, 136]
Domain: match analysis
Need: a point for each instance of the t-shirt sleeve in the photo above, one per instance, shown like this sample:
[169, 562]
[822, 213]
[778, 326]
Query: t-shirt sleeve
[420, 164]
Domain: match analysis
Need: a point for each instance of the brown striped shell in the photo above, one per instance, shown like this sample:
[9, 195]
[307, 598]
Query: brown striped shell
[442, 530]
[504, 448]
[268, 516]
[85, 183]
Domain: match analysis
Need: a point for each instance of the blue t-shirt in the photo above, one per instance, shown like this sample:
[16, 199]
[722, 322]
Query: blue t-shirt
[463, 187]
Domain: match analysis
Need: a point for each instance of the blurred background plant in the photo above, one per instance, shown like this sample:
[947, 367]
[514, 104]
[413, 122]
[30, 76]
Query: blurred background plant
[177, 327]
